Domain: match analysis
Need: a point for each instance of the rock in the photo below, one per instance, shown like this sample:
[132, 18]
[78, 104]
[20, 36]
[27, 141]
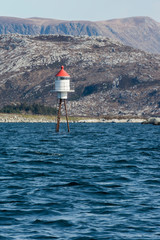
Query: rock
[154, 121]
[157, 121]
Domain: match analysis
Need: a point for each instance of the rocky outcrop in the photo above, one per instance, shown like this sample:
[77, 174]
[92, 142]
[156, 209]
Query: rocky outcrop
[154, 121]
[110, 79]
[138, 32]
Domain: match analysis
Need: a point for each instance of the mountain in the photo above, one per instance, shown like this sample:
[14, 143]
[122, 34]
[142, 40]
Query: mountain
[109, 78]
[139, 32]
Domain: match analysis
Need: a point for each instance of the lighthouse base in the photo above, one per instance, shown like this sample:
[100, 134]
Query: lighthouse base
[62, 95]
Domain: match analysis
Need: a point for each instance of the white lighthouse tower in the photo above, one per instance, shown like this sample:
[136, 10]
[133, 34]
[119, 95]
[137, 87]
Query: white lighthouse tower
[62, 87]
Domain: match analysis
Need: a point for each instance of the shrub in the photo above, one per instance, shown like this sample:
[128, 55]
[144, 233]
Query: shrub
[25, 108]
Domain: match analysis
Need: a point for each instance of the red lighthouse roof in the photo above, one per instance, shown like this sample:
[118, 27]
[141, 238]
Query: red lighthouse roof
[62, 73]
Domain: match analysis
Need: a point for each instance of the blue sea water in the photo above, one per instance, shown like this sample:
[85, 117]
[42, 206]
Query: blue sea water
[100, 181]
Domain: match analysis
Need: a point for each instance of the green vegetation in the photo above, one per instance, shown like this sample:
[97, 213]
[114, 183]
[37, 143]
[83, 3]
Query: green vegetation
[30, 109]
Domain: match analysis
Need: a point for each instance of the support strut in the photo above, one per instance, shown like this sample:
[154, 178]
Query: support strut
[59, 115]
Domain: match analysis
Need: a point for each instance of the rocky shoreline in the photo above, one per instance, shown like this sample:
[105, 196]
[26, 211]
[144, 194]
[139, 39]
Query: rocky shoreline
[18, 118]
[22, 118]
[9, 118]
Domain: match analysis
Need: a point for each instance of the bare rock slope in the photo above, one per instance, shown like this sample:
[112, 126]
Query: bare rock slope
[109, 78]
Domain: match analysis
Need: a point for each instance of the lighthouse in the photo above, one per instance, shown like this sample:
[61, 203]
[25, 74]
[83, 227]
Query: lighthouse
[62, 87]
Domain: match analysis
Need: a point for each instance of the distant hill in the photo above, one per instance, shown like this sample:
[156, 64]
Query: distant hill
[110, 79]
[138, 32]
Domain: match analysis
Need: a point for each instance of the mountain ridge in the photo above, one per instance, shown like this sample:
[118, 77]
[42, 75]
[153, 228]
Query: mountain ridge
[138, 32]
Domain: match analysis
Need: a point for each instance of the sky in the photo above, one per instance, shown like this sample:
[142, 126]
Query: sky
[92, 10]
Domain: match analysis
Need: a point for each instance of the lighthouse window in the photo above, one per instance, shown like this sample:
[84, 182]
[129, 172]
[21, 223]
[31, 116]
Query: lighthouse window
[62, 78]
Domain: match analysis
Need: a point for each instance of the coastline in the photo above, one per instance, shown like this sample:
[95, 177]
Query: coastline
[24, 118]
